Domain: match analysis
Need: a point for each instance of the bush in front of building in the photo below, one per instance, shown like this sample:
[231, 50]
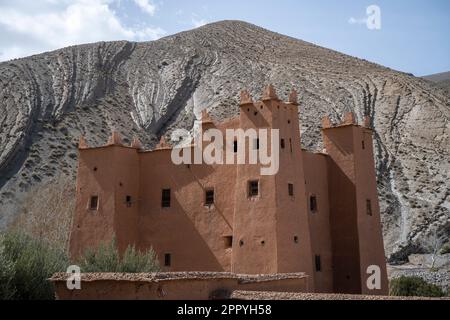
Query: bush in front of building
[25, 265]
[414, 286]
[106, 258]
[7, 289]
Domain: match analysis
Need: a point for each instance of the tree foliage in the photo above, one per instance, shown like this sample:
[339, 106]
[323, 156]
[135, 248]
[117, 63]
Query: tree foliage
[414, 286]
[106, 258]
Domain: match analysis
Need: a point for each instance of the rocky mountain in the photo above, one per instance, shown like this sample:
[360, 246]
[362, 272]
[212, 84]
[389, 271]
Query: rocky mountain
[442, 79]
[147, 89]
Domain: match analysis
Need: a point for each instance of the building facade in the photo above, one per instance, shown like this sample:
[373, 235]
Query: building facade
[319, 214]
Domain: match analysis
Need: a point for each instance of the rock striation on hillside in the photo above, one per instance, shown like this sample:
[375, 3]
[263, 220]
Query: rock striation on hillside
[148, 89]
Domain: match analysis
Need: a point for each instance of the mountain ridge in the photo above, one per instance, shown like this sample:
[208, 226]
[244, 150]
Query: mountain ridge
[148, 89]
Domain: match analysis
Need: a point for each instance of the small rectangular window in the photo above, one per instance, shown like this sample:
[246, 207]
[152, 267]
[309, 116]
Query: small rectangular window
[93, 203]
[128, 201]
[167, 260]
[235, 146]
[253, 188]
[165, 201]
[228, 241]
[282, 143]
[290, 144]
[363, 145]
[369, 207]
[291, 189]
[256, 144]
[209, 197]
[313, 203]
[318, 263]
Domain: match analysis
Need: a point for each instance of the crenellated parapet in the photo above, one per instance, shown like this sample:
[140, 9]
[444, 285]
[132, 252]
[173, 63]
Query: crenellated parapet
[205, 117]
[293, 97]
[246, 98]
[115, 139]
[137, 144]
[349, 119]
[82, 144]
[269, 93]
[163, 145]
[326, 122]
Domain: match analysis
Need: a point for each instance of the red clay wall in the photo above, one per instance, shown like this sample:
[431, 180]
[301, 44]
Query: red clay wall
[343, 214]
[369, 226]
[190, 231]
[179, 287]
[100, 173]
[316, 177]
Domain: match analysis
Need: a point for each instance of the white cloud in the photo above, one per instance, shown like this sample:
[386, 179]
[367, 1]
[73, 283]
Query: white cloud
[146, 6]
[32, 27]
[198, 22]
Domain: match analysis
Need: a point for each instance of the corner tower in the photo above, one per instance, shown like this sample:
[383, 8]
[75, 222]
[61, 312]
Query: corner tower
[271, 233]
[354, 210]
[107, 195]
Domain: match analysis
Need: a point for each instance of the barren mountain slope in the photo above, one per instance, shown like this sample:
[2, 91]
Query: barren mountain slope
[442, 80]
[147, 89]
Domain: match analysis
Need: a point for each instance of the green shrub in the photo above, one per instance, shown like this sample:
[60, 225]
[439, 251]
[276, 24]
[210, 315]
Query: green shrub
[414, 286]
[445, 249]
[106, 258]
[7, 289]
[28, 263]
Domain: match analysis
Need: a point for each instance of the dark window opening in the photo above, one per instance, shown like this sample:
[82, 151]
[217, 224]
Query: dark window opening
[228, 240]
[263, 242]
[296, 239]
[209, 197]
[313, 203]
[291, 189]
[128, 201]
[241, 243]
[255, 113]
[235, 146]
[256, 144]
[167, 260]
[253, 188]
[282, 143]
[93, 203]
[369, 207]
[95, 169]
[289, 121]
[318, 263]
[165, 201]
[363, 144]
[290, 144]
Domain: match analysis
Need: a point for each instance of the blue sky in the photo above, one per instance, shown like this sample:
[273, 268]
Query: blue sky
[414, 35]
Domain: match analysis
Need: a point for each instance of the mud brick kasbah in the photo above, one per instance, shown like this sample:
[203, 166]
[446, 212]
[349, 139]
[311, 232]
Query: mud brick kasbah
[319, 214]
